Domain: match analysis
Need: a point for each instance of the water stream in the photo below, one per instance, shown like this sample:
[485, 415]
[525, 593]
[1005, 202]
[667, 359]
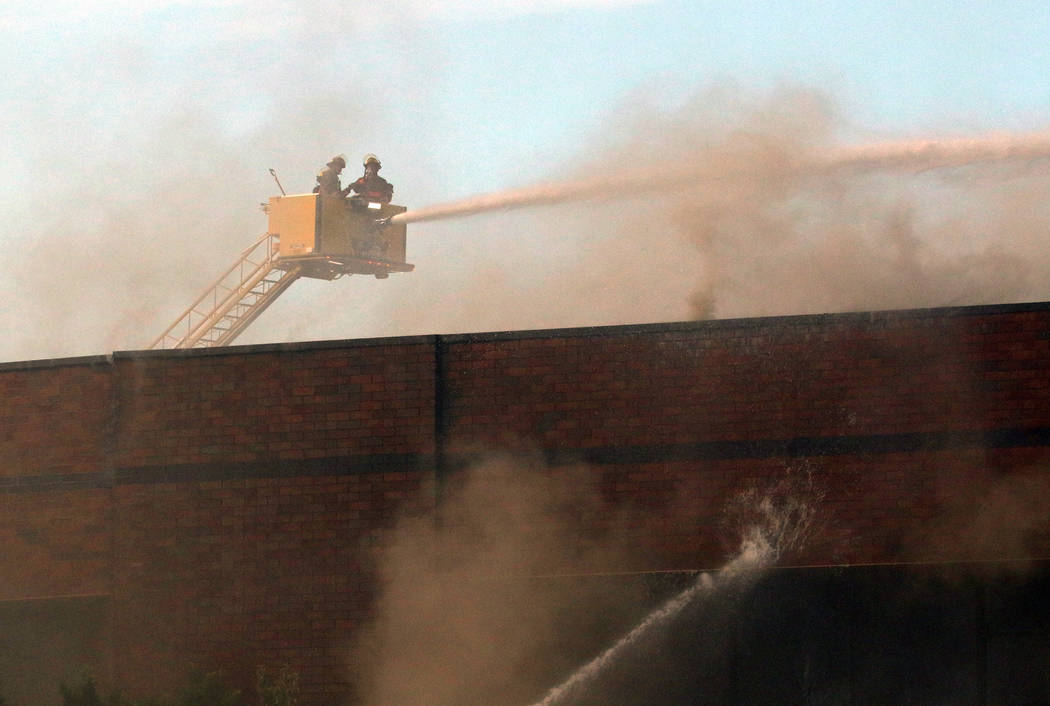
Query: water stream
[756, 554]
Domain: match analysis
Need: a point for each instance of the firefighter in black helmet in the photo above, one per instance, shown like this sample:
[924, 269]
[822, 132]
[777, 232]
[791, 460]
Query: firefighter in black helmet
[371, 186]
[328, 178]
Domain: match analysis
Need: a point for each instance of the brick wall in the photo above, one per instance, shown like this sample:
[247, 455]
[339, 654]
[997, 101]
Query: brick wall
[230, 505]
[55, 418]
[252, 491]
[901, 417]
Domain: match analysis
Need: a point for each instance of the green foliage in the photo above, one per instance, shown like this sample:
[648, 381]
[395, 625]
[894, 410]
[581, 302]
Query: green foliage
[280, 689]
[84, 695]
[209, 689]
[203, 689]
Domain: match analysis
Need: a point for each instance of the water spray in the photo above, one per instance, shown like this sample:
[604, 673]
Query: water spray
[913, 155]
[756, 554]
[778, 520]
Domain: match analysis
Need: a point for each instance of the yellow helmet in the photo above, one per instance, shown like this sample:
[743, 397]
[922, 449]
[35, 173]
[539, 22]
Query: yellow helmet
[369, 158]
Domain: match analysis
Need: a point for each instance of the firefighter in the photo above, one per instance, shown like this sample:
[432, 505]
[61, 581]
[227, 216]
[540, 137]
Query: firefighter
[371, 186]
[328, 179]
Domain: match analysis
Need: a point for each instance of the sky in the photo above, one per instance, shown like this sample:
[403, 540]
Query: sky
[137, 145]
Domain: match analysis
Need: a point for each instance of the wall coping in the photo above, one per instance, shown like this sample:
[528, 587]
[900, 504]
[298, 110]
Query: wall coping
[50, 363]
[758, 322]
[795, 320]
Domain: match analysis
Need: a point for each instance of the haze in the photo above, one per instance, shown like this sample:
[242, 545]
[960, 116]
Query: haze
[137, 145]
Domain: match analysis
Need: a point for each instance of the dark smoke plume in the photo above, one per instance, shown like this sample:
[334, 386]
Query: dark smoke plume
[515, 590]
[737, 204]
[155, 211]
[885, 229]
[462, 618]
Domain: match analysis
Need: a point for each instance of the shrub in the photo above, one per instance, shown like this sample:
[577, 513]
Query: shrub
[280, 689]
[209, 689]
[84, 695]
[203, 689]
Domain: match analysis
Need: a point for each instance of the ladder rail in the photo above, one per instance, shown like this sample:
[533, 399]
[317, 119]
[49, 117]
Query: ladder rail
[242, 322]
[257, 261]
[229, 302]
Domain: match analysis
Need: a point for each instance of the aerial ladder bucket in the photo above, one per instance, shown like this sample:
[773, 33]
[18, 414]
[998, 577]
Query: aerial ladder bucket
[309, 236]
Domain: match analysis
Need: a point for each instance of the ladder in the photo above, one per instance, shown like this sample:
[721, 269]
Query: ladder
[234, 301]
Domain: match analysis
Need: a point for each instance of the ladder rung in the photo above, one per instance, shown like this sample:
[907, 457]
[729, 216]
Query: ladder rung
[224, 310]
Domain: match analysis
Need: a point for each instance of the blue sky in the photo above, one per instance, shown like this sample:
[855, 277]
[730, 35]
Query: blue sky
[182, 107]
[492, 86]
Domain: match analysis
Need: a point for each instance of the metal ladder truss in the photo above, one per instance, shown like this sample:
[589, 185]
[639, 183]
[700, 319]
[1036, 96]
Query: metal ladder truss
[234, 301]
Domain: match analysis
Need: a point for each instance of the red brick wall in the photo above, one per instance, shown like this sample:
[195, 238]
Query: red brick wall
[231, 503]
[240, 573]
[55, 417]
[55, 421]
[886, 411]
[252, 491]
[756, 379]
[262, 407]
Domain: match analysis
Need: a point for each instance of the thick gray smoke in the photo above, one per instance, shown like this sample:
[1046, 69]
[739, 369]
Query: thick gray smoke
[752, 205]
[117, 216]
[519, 590]
[462, 618]
[911, 156]
[986, 518]
[742, 205]
[857, 236]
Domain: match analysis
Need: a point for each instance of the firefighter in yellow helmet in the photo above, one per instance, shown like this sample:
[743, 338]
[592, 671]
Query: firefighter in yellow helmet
[371, 186]
[328, 178]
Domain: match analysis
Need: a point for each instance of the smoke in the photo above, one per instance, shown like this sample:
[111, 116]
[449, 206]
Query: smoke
[816, 227]
[916, 155]
[135, 176]
[458, 619]
[735, 203]
[996, 521]
[725, 203]
[517, 583]
[756, 553]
